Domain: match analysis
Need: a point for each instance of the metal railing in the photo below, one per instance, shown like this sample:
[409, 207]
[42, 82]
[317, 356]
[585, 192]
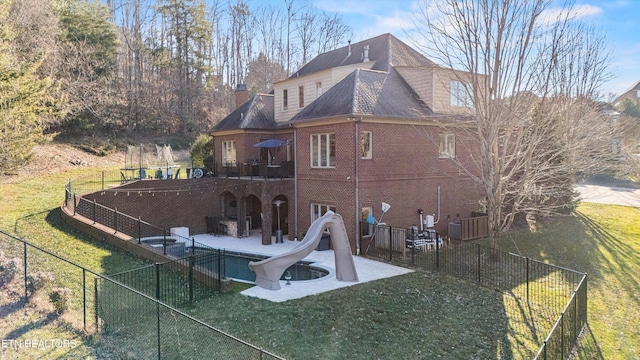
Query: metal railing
[557, 296]
[160, 239]
[135, 324]
[178, 282]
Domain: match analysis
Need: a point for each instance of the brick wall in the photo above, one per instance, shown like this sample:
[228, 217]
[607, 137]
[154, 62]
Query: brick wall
[405, 171]
[186, 202]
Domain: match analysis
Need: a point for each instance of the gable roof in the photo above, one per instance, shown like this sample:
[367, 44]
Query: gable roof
[385, 51]
[634, 87]
[256, 113]
[367, 92]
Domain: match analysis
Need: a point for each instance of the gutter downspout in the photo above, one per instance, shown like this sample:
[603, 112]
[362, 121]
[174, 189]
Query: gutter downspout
[295, 181]
[438, 220]
[357, 188]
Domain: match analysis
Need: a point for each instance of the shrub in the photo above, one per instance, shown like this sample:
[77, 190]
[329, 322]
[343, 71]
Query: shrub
[38, 280]
[8, 268]
[60, 298]
[202, 146]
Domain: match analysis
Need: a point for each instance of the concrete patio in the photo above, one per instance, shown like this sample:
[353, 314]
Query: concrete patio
[368, 270]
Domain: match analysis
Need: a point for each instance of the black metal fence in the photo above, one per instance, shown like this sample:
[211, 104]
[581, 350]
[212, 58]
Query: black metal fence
[160, 239]
[121, 320]
[178, 282]
[557, 296]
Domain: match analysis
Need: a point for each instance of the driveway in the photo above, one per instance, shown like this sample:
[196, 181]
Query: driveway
[604, 192]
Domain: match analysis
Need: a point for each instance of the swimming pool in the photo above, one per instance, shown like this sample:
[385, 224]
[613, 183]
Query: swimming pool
[236, 266]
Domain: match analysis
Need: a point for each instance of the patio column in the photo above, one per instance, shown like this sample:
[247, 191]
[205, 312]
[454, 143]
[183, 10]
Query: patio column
[242, 217]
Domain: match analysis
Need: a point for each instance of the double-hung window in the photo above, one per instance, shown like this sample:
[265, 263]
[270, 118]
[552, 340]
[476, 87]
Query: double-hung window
[461, 94]
[365, 145]
[322, 150]
[317, 210]
[285, 99]
[447, 146]
[300, 96]
[229, 153]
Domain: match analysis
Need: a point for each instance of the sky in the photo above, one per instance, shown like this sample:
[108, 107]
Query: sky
[618, 20]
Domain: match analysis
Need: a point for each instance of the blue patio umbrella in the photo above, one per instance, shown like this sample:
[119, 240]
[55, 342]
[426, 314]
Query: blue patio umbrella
[270, 143]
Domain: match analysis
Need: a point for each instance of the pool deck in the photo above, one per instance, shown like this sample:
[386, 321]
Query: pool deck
[368, 270]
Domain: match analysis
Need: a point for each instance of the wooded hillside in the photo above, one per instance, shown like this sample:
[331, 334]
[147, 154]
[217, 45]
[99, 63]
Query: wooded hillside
[165, 66]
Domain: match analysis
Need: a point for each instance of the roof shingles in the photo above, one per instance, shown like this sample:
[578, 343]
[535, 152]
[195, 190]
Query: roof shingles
[366, 92]
[256, 113]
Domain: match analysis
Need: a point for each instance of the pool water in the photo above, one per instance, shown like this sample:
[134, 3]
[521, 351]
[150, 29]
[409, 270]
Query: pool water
[237, 268]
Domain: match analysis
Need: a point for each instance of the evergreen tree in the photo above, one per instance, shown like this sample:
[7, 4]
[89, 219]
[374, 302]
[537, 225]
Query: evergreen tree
[24, 102]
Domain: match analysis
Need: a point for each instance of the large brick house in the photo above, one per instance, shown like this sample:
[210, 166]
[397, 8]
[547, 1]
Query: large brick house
[372, 122]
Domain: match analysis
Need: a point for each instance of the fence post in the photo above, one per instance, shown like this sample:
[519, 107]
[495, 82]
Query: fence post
[115, 220]
[102, 180]
[437, 253]
[527, 279]
[84, 298]
[74, 204]
[191, 261]
[95, 305]
[562, 334]
[478, 247]
[219, 268]
[139, 229]
[157, 267]
[390, 246]
[158, 327]
[94, 211]
[26, 295]
[413, 255]
[164, 241]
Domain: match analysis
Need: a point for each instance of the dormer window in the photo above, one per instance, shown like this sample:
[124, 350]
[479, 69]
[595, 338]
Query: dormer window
[461, 94]
[318, 89]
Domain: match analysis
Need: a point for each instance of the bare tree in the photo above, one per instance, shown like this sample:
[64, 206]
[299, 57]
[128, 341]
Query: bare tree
[332, 32]
[527, 73]
[307, 31]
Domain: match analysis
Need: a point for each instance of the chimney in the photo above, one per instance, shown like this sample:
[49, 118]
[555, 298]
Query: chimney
[242, 95]
[366, 53]
[349, 54]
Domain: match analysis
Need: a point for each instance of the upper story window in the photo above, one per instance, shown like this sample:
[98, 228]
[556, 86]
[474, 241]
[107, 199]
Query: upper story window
[318, 89]
[461, 94]
[285, 99]
[229, 153]
[447, 146]
[323, 150]
[301, 96]
[365, 145]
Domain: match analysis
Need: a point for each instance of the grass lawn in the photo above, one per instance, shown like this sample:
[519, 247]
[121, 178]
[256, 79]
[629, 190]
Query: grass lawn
[604, 242]
[416, 316]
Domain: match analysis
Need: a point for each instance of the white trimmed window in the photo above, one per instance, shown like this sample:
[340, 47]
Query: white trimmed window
[229, 153]
[300, 96]
[317, 210]
[447, 146]
[461, 94]
[365, 145]
[318, 89]
[322, 150]
[285, 99]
